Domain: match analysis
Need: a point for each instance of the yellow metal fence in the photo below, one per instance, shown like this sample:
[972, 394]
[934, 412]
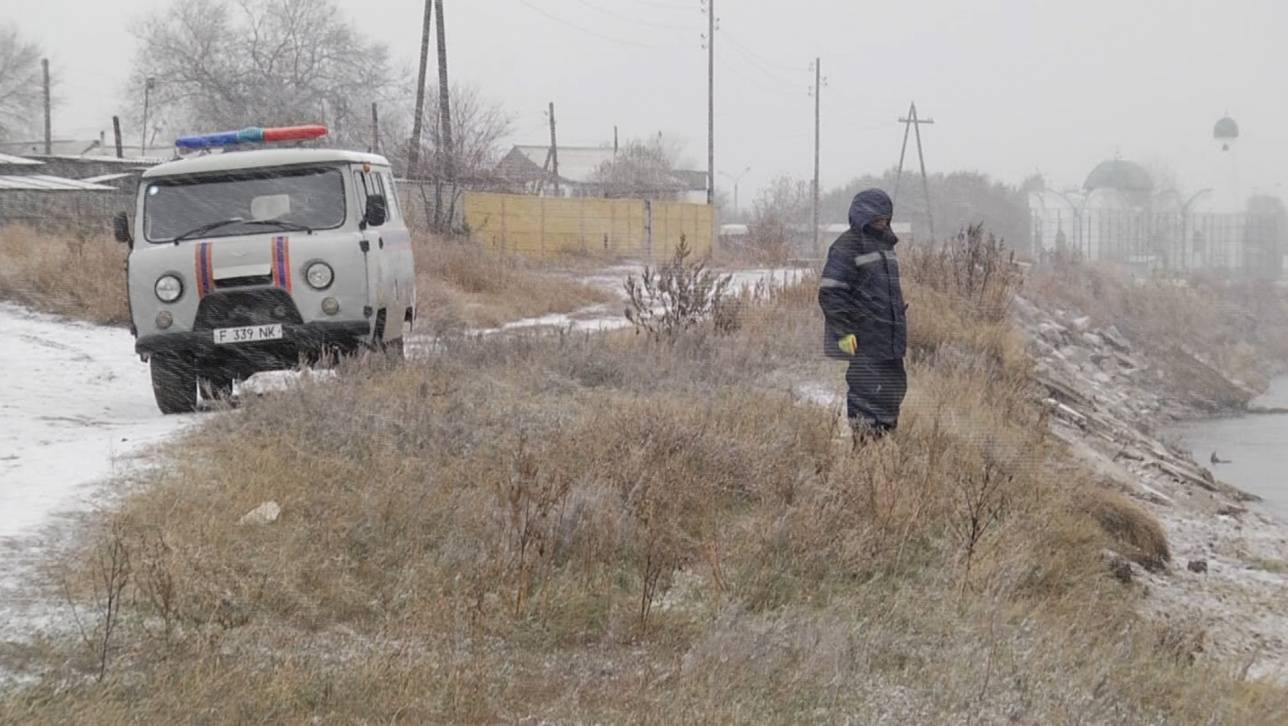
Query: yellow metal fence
[545, 227]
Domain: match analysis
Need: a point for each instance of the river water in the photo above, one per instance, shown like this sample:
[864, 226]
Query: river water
[1256, 445]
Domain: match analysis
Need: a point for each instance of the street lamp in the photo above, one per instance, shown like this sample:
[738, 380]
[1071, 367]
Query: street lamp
[1077, 219]
[1185, 223]
[148, 85]
[735, 180]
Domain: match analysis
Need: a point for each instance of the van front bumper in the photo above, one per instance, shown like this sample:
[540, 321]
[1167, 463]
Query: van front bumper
[296, 338]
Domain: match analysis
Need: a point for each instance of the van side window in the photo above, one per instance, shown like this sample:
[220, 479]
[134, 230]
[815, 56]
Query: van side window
[391, 194]
[360, 184]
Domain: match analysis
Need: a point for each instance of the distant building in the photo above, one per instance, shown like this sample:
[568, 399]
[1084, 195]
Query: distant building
[529, 170]
[1119, 215]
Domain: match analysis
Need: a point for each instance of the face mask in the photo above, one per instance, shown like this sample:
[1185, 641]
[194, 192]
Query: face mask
[886, 235]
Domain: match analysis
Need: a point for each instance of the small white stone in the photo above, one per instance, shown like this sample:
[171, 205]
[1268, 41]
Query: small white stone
[266, 513]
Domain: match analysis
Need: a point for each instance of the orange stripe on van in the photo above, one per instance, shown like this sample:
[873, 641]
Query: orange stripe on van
[204, 270]
[282, 262]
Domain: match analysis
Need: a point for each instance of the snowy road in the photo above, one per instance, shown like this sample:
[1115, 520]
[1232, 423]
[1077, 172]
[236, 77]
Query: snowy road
[75, 407]
[74, 403]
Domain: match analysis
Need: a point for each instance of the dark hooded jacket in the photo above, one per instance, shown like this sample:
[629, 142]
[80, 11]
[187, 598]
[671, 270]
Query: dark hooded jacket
[860, 292]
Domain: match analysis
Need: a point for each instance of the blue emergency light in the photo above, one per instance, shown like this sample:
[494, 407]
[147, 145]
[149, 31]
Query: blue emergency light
[252, 135]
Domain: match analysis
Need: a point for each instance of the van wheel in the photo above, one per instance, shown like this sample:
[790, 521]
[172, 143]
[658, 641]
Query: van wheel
[216, 387]
[174, 383]
[394, 349]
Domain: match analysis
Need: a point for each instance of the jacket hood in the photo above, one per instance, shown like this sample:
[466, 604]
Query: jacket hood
[867, 206]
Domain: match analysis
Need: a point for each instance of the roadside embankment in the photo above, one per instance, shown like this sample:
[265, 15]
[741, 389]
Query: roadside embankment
[1118, 373]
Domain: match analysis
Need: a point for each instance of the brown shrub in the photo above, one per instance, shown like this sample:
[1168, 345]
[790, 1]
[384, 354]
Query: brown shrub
[79, 278]
[1135, 533]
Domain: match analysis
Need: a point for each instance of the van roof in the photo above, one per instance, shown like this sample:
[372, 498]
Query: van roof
[260, 158]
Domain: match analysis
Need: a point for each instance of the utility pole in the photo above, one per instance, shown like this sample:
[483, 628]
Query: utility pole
[818, 86]
[554, 150]
[148, 85]
[375, 129]
[418, 118]
[711, 101]
[444, 149]
[736, 180]
[614, 142]
[49, 133]
[116, 132]
[913, 123]
[444, 96]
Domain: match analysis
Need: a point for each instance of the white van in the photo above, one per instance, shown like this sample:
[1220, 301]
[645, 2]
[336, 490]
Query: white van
[246, 261]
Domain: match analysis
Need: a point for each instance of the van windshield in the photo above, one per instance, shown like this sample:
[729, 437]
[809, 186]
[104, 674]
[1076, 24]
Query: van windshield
[250, 201]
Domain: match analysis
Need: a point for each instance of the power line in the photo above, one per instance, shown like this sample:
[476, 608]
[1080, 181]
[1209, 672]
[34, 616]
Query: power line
[588, 31]
[635, 21]
[762, 60]
[758, 81]
[663, 6]
[769, 74]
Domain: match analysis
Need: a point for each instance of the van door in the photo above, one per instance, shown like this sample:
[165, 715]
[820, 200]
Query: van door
[372, 244]
[399, 260]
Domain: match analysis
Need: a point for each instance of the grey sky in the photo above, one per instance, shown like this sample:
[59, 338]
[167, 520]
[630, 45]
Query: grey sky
[1015, 87]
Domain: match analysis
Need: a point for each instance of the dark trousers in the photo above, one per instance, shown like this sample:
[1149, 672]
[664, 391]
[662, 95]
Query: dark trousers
[877, 388]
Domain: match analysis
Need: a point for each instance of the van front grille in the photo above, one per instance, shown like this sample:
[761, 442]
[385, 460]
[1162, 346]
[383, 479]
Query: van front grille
[235, 309]
[247, 281]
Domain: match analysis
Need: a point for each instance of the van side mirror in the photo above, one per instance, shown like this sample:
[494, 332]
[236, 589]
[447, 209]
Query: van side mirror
[377, 211]
[121, 226]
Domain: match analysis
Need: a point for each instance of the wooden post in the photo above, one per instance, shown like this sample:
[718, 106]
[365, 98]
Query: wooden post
[116, 133]
[49, 133]
[711, 102]
[818, 83]
[375, 129]
[554, 150]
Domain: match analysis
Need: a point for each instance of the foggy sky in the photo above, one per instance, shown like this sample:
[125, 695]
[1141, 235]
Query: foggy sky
[1015, 87]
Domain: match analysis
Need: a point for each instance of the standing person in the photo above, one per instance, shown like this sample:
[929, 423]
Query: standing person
[865, 317]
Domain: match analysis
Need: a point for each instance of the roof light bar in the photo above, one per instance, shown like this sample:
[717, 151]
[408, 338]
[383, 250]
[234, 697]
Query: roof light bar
[252, 135]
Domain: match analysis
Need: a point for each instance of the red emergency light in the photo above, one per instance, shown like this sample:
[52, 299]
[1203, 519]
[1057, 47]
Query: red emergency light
[252, 136]
[295, 133]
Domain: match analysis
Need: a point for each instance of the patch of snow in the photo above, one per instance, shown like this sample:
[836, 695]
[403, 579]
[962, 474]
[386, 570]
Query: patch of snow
[76, 409]
[76, 402]
[278, 381]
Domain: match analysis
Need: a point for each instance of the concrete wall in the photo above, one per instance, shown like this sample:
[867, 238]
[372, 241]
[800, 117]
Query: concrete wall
[545, 227]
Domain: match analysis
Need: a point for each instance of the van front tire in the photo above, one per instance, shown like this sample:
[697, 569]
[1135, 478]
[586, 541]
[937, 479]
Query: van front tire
[174, 383]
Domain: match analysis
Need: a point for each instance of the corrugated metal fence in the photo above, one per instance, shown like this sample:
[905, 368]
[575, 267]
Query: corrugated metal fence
[546, 227]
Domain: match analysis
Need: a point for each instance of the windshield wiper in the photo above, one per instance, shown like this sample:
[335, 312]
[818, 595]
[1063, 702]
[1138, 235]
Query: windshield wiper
[197, 232]
[283, 224]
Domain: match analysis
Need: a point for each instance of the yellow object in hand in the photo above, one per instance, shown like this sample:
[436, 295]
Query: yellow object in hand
[849, 344]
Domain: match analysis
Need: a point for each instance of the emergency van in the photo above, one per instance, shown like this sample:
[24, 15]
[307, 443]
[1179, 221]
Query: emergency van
[245, 260]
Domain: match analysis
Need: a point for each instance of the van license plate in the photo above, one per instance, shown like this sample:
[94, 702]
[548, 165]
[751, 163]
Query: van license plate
[248, 334]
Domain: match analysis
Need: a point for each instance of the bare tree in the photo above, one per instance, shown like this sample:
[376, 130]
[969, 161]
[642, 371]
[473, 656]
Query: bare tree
[478, 125]
[20, 82]
[641, 170]
[234, 63]
[780, 216]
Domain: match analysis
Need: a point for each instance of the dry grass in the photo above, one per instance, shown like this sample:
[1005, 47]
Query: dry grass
[461, 287]
[612, 528]
[79, 278]
[1135, 532]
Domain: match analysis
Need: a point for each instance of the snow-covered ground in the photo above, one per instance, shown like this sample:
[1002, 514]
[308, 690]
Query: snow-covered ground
[76, 408]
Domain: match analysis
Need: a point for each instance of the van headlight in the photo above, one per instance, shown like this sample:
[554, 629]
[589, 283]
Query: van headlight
[319, 275]
[169, 288]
